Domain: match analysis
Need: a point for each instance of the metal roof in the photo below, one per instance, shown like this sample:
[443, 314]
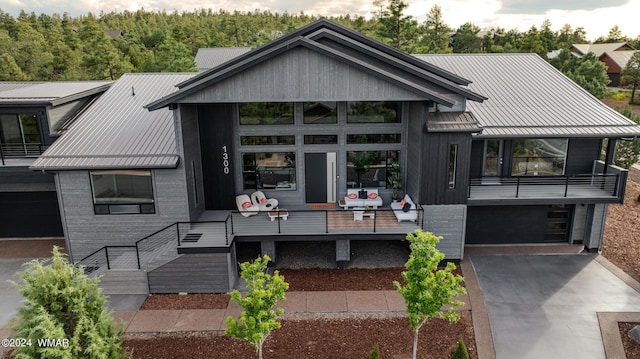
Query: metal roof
[117, 131]
[621, 58]
[452, 122]
[599, 49]
[208, 58]
[48, 93]
[530, 98]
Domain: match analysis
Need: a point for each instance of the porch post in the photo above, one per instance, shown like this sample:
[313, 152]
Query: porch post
[343, 252]
[610, 155]
[268, 247]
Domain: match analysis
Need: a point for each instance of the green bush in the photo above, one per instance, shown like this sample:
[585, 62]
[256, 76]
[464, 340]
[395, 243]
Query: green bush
[618, 95]
[65, 307]
[375, 353]
[461, 351]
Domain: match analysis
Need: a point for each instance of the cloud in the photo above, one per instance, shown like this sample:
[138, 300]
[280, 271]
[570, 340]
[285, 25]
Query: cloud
[542, 6]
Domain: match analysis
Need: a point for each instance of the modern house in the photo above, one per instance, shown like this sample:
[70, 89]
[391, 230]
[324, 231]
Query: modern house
[32, 116]
[616, 61]
[489, 149]
[599, 49]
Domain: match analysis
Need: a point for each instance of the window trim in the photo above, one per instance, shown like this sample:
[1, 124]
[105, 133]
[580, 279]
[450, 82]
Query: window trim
[123, 208]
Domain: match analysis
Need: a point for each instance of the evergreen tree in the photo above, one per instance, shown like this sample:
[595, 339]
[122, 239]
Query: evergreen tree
[631, 74]
[101, 59]
[173, 56]
[9, 70]
[395, 28]
[532, 43]
[466, 39]
[436, 35]
[64, 305]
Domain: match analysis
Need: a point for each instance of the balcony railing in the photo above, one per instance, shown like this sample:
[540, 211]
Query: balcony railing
[20, 150]
[608, 187]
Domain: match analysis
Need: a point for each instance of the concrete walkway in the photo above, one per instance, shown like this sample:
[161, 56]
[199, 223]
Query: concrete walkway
[344, 302]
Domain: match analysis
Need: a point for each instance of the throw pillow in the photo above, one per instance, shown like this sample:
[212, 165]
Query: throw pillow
[246, 204]
[263, 200]
[362, 194]
[406, 207]
[372, 195]
[352, 196]
[403, 202]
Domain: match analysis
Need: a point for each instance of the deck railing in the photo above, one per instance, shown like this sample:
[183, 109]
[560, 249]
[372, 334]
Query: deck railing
[600, 184]
[144, 253]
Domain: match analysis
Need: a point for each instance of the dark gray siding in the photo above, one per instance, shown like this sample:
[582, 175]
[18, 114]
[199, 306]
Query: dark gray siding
[192, 273]
[477, 157]
[303, 75]
[188, 137]
[29, 214]
[22, 179]
[435, 168]
[581, 154]
[87, 232]
[415, 137]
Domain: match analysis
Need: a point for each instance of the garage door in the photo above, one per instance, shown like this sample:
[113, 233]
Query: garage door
[518, 224]
[29, 214]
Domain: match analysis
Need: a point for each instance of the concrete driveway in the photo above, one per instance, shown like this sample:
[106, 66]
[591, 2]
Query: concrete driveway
[544, 306]
[11, 299]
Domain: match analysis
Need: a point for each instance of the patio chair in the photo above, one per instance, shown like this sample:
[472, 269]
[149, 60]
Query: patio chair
[245, 207]
[259, 199]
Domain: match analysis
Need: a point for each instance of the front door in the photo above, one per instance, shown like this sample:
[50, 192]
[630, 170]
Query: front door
[320, 177]
[493, 158]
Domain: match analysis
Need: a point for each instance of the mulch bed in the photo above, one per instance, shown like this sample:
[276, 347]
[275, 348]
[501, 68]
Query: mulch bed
[191, 301]
[341, 279]
[631, 348]
[321, 338]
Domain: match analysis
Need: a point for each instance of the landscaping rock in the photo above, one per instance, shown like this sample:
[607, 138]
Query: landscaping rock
[634, 334]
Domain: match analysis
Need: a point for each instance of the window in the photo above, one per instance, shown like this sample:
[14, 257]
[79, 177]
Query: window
[269, 170]
[266, 113]
[320, 139]
[267, 140]
[319, 113]
[539, 157]
[370, 168]
[453, 159]
[122, 192]
[374, 138]
[19, 135]
[373, 112]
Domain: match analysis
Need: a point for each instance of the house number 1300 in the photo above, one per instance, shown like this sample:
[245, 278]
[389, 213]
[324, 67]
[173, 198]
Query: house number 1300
[225, 160]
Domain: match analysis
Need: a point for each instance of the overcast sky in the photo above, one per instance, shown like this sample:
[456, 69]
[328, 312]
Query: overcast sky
[596, 16]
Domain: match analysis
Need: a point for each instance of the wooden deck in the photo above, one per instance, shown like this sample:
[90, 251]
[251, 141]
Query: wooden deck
[213, 231]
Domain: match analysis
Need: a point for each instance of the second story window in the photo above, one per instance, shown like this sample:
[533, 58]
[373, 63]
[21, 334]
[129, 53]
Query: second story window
[19, 135]
[539, 157]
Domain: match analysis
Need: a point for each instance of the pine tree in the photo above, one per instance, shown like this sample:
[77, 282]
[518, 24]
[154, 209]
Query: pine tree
[64, 305]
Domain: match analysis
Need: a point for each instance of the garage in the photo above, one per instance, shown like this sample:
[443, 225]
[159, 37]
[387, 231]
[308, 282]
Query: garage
[31, 214]
[518, 224]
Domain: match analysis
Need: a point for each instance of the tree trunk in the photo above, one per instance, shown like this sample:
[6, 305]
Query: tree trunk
[633, 91]
[415, 344]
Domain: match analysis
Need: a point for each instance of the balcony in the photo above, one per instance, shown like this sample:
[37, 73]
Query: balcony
[598, 187]
[20, 154]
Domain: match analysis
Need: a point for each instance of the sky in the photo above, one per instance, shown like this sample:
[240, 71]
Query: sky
[597, 17]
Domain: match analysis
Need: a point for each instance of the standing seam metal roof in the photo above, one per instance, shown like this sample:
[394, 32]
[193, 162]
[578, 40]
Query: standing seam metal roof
[208, 58]
[118, 132]
[530, 98]
[48, 93]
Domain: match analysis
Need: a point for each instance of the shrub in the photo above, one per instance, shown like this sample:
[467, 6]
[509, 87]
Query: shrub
[64, 306]
[375, 353]
[461, 351]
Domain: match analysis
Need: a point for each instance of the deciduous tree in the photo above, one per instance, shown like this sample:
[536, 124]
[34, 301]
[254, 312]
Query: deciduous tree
[631, 74]
[428, 290]
[258, 317]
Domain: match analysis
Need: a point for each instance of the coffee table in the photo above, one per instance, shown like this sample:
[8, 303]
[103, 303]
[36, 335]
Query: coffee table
[282, 213]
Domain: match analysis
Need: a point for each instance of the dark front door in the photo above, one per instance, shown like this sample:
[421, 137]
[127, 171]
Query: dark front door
[315, 177]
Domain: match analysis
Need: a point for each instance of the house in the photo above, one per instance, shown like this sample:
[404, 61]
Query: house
[147, 176]
[616, 61]
[32, 116]
[599, 49]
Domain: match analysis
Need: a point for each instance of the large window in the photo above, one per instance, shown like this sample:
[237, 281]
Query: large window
[539, 157]
[373, 138]
[19, 135]
[266, 113]
[122, 192]
[267, 140]
[320, 112]
[373, 112]
[370, 168]
[269, 170]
